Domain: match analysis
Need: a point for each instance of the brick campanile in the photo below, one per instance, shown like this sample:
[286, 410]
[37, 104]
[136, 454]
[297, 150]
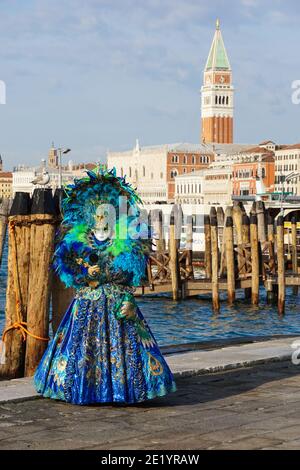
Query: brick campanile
[217, 95]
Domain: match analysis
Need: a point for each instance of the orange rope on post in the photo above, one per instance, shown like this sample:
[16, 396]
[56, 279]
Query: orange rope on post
[19, 324]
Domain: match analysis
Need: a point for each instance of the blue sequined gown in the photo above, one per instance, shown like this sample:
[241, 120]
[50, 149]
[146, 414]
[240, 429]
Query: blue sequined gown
[97, 357]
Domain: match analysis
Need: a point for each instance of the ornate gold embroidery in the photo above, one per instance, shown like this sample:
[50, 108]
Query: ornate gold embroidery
[155, 366]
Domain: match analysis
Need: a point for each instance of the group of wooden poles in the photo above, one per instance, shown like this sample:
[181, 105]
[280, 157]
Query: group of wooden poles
[251, 253]
[241, 251]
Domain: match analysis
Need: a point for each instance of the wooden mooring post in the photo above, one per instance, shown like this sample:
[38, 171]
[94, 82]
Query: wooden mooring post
[221, 225]
[189, 245]
[271, 241]
[294, 251]
[254, 259]
[215, 260]
[228, 213]
[280, 264]
[246, 244]
[42, 232]
[174, 262]
[207, 253]
[4, 211]
[229, 249]
[14, 335]
[157, 221]
[261, 222]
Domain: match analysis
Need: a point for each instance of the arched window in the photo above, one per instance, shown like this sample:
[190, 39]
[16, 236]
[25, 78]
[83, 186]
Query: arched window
[130, 172]
[263, 173]
[144, 171]
[193, 160]
[220, 99]
[227, 100]
[223, 100]
[122, 172]
[184, 159]
[216, 100]
[174, 173]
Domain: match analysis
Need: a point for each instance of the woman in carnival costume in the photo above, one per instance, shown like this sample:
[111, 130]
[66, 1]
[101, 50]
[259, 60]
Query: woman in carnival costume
[103, 350]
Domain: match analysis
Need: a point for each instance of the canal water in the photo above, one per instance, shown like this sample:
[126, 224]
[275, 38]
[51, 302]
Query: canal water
[193, 321]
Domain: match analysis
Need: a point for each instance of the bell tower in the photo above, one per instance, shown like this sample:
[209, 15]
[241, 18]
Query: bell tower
[53, 157]
[217, 95]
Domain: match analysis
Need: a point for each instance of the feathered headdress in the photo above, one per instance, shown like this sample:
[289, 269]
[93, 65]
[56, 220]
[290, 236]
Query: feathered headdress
[80, 257]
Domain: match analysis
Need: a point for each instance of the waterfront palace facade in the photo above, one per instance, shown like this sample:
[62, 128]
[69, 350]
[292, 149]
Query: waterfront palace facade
[152, 170]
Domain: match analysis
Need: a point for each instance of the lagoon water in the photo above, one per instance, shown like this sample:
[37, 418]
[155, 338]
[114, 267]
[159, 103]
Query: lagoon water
[193, 320]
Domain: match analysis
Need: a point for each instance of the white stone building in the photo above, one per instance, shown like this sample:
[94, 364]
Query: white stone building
[189, 188]
[287, 161]
[210, 186]
[145, 168]
[22, 177]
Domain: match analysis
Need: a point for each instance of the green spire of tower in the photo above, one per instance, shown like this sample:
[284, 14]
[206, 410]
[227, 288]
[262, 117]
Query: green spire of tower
[217, 58]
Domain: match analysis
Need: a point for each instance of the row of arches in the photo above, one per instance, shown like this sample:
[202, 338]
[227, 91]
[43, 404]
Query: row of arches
[222, 100]
[245, 174]
[195, 159]
[188, 188]
[134, 173]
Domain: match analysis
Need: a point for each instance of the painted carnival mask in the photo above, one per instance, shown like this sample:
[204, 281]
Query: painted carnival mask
[105, 222]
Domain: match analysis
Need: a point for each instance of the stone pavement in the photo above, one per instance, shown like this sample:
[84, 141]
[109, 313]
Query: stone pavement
[248, 408]
[188, 363]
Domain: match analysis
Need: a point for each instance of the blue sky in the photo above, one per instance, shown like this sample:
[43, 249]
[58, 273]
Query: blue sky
[96, 74]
